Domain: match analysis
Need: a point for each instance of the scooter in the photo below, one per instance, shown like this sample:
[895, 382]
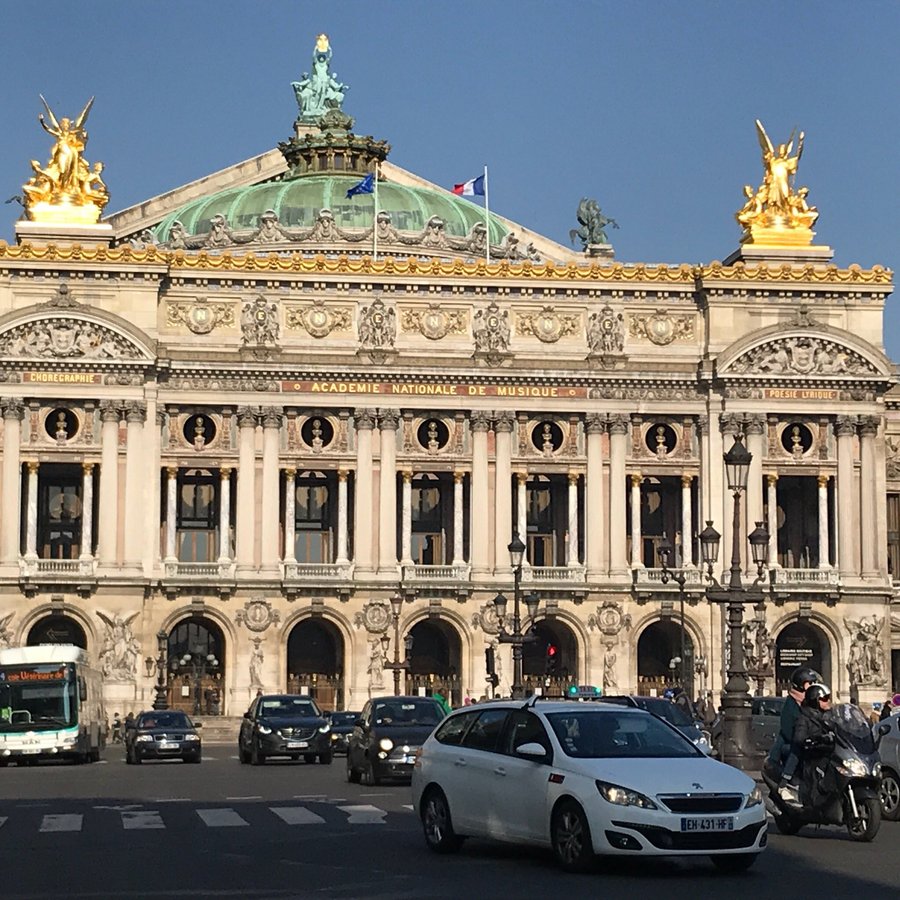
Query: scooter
[841, 780]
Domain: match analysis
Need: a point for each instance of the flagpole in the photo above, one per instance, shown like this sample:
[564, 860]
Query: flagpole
[375, 217]
[487, 219]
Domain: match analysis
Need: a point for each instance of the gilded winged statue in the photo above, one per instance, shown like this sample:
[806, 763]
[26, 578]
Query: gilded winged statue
[593, 224]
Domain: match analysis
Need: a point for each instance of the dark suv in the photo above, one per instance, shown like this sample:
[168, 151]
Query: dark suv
[166, 734]
[289, 725]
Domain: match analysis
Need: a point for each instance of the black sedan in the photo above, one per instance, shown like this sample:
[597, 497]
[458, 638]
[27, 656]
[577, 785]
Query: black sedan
[289, 725]
[165, 734]
[387, 735]
[341, 726]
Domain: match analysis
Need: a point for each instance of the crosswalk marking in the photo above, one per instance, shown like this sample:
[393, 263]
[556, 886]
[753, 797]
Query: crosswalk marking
[364, 815]
[67, 822]
[296, 815]
[221, 818]
[141, 819]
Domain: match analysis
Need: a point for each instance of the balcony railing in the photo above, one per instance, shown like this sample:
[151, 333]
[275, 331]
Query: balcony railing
[58, 568]
[199, 570]
[654, 577]
[459, 572]
[559, 574]
[294, 571]
[805, 577]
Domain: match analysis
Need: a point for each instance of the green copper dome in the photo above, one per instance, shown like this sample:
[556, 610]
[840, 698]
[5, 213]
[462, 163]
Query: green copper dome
[297, 202]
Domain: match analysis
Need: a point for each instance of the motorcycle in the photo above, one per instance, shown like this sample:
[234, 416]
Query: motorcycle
[841, 780]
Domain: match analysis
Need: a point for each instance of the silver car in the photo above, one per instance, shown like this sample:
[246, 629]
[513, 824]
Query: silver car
[889, 750]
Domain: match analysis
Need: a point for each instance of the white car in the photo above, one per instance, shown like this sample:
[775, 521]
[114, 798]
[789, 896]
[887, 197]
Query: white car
[583, 779]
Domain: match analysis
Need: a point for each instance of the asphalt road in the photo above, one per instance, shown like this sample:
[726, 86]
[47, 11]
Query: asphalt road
[291, 830]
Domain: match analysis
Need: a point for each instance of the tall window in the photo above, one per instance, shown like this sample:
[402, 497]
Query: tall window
[312, 518]
[427, 521]
[59, 512]
[197, 515]
[541, 532]
[893, 535]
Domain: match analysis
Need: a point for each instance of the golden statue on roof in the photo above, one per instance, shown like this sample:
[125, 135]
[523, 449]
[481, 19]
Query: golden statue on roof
[775, 214]
[67, 191]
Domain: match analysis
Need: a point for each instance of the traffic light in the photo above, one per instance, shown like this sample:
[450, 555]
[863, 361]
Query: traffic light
[490, 666]
[551, 663]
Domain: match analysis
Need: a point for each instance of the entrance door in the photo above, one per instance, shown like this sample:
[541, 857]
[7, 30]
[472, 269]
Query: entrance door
[197, 667]
[801, 644]
[435, 661]
[663, 661]
[315, 656]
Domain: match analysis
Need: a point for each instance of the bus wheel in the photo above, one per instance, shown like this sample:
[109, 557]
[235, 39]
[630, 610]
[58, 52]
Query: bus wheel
[95, 755]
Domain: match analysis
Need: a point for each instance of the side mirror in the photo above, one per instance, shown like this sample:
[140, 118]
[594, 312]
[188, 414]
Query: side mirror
[533, 751]
[198, 724]
[884, 729]
[247, 714]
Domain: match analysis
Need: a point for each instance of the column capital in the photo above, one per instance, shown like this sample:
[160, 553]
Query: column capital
[458, 477]
[136, 411]
[573, 477]
[246, 416]
[823, 480]
[504, 421]
[730, 423]
[172, 471]
[364, 419]
[343, 474]
[272, 417]
[687, 480]
[521, 477]
[109, 411]
[868, 426]
[845, 426]
[407, 476]
[636, 479]
[160, 417]
[772, 479]
[87, 468]
[389, 419]
[479, 420]
[13, 408]
[225, 473]
[33, 466]
[755, 424]
[595, 423]
[619, 423]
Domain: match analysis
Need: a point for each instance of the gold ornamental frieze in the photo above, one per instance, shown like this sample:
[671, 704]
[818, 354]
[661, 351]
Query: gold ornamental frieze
[434, 322]
[200, 316]
[661, 328]
[318, 319]
[548, 325]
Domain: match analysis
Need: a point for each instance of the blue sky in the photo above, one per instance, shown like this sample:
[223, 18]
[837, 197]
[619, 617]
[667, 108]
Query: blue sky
[646, 106]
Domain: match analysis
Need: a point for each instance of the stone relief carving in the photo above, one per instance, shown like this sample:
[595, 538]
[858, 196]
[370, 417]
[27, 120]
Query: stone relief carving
[487, 619]
[660, 328]
[374, 617]
[65, 338]
[609, 620]
[548, 325]
[257, 659]
[606, 332]
[259, 322]
[6, 634]
[257, 615]
[377, 326]
[610, 680]
[201, 316]
[433, 323]
[618, 392]
[865, 663]
[121, 651]
[892, 455]
[491, 331]
[801, 356]
[319, 319]
[375, 667]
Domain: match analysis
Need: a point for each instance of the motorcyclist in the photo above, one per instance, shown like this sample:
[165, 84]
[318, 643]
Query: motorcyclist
[801, 678]
[811, 725]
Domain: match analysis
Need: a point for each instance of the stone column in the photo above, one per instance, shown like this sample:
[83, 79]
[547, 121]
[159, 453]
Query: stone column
[824, 560]
[730, 426]
[572, 548]
[387, 501]
[290, 514]
[109, 482]
[458, 518]
[271, 422]
[342, 550]
[618, 438]
[636, 561]
[479, 521]
[594, 510]
[245, 518]
[224, 515]
[845, 429]
[522, 513]
[11, 497]
[171, 512]
[363, 511]
[135, 416]
[868, 429]
[755, 428]
[503, 427]
[87, 511]
[31, 511]
[406, 523]
[152, 519]
[702, 428]
[772, 520]
[687, 521]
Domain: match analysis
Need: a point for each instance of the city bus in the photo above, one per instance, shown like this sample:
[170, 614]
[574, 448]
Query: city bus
[51, 705]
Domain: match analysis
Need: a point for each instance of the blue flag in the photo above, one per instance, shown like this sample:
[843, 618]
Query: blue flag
[366, 186]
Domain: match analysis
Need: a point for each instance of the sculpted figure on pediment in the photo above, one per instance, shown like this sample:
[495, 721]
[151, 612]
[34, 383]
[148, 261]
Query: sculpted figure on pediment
[801, 355]
[65, 338]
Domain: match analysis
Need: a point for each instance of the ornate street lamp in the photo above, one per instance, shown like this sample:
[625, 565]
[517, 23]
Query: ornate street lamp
[200, 665]
[398, 665]
[162, 687]
[665, 550]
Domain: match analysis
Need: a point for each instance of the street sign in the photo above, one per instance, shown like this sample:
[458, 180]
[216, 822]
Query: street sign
[895, 700]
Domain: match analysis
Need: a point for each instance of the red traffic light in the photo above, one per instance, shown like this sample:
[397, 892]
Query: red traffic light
[551, 649]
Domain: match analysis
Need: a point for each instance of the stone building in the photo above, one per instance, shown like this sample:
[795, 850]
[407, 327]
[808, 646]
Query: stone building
[247, 414]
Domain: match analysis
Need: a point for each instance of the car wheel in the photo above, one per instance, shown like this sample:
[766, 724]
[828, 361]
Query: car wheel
[369, 778]
[136, 759]
[325, 758]
[571, 837]
[257, 758]
[352, 774]
[243, 755]
[890, 796]
[95, 755]
[437, 824]
[734, 863]
[309, 758]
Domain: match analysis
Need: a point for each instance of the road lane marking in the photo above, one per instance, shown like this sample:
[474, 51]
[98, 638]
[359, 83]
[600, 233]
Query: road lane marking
[364, 815]
[408, 806]
[297, 815]
[172, 800]
[142, 819]
[65, 822]
[310, 796]
[254, 797]
[221, 818]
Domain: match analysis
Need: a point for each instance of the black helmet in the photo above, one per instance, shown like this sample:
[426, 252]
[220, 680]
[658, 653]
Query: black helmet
[815, 693]
[804, 675]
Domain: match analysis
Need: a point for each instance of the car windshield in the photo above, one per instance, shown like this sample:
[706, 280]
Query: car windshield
[165, 720]
[401, 713]
[667, 710]
[344, 718]
[280, 707]
[619, 735]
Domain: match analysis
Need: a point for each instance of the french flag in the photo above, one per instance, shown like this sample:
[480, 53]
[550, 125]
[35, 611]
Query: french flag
[473, 188]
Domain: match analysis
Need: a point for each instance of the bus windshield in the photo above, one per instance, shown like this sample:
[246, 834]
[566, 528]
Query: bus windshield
[35, 697]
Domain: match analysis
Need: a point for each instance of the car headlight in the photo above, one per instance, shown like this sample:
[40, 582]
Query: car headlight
[876, 770]
[621, 796]
[854, 768]
[754, 799]
[335, 737]
[263, 729]
[386, 744]
[325, 728]
[143, 738]
[192, 737]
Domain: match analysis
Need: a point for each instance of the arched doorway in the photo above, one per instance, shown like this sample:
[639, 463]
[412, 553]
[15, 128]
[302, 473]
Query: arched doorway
[435, 660]
[57, 629]
[801, 644]
[315, 662]
[550, 662]
[661, 664]
[197, 667]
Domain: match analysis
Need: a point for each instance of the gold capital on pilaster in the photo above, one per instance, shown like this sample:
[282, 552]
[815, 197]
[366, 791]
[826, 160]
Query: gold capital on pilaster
[573, 477]
[172, 471]
[458, 477]
[290, 473]
[407, 475]
[687, 480]
[225, 473]
[823, 480]
[771, 479]
[87, 468]
[636, 479]
[521, 477]
[33, 466]
[342, 474]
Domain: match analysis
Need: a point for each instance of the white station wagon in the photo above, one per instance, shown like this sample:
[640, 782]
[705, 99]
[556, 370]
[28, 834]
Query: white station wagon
[584, 779]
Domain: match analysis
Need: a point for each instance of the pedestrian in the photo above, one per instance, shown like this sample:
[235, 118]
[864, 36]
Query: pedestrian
[885, 711]
[117, 729]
